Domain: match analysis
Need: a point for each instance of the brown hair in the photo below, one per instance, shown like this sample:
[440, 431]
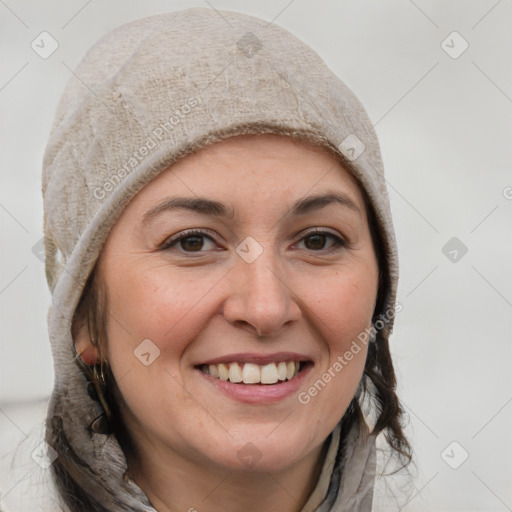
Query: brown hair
[378, 384]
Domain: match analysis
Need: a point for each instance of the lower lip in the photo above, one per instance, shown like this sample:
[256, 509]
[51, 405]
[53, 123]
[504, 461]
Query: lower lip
[258, 393]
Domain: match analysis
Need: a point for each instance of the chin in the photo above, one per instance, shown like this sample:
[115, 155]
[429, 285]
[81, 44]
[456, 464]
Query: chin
[249, 458]
[260, 453]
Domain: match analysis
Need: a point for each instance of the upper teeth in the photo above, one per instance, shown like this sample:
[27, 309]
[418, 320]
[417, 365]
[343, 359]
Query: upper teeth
[250, 373]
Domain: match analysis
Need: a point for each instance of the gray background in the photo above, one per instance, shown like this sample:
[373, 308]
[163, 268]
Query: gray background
[445, 128]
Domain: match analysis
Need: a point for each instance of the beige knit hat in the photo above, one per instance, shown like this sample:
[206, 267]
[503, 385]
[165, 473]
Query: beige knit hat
[148, 93]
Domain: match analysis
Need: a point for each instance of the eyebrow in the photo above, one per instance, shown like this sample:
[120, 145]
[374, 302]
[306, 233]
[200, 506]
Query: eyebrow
[216, 209]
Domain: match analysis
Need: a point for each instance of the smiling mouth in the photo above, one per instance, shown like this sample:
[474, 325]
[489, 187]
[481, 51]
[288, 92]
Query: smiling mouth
[251, 373]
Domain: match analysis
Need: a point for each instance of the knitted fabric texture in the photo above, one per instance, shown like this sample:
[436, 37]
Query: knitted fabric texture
[147, 94]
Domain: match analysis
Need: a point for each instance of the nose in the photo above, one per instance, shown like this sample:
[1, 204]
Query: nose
[260, 298]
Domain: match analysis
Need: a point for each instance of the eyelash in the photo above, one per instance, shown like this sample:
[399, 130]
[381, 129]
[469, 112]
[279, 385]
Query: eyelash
[170, 242]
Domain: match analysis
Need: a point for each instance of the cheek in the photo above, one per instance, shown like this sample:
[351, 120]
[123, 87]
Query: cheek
[342, 309]
[153, 303]
[344, 305]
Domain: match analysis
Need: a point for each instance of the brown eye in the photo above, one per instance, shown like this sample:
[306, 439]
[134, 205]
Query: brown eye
[192, 243]
[188, 242]
[317, 240]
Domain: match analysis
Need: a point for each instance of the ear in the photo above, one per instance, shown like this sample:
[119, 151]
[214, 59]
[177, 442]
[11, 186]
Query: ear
[83, 345]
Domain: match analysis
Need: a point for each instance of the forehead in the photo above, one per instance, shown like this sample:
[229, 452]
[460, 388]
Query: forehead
[264, 167]
[251, 173]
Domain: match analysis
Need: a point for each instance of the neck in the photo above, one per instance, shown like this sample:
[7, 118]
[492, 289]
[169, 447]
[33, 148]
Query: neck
[174, 484]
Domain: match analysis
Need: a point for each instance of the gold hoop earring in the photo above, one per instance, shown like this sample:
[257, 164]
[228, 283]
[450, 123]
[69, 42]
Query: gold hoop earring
[99, 376]
[99, 382]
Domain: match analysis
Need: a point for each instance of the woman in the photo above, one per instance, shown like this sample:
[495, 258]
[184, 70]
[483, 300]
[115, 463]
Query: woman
[223, 266]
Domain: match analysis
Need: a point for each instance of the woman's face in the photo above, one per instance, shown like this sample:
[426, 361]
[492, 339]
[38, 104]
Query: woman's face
[280, 272]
